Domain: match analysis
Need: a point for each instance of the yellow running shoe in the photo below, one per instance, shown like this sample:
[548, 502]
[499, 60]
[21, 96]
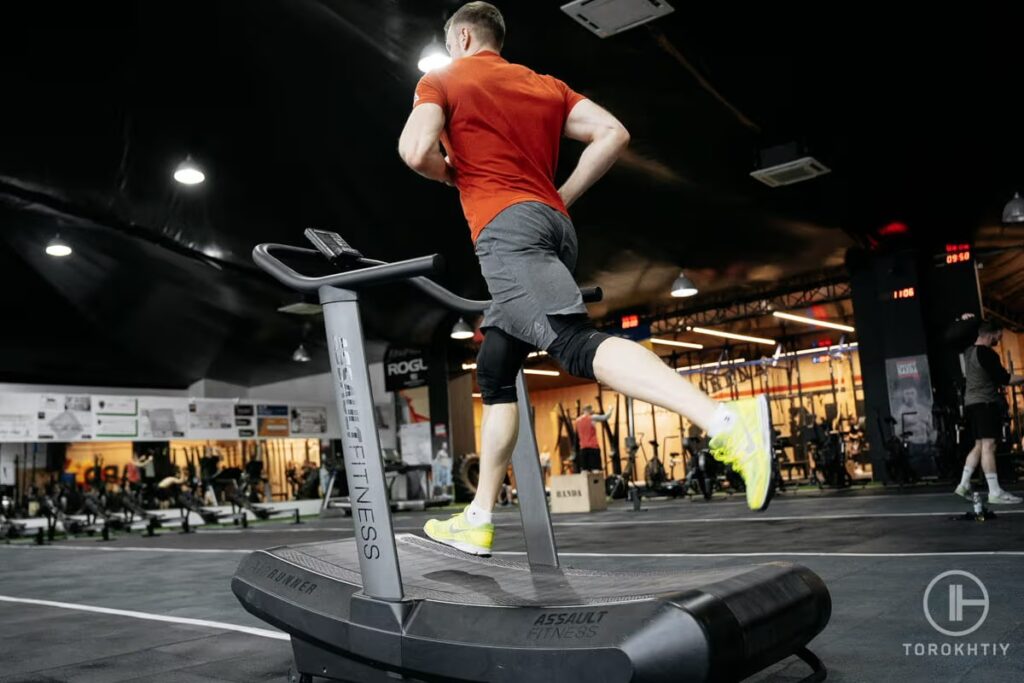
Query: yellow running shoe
[747, 447]
[456, 532]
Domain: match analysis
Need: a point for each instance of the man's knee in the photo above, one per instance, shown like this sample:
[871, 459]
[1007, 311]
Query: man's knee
[497, 366]
[575, 344]
[495, 389]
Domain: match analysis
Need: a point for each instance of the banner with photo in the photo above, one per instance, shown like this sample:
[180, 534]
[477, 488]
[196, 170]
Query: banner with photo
[910, 398]
[60, 417]
[308, 420]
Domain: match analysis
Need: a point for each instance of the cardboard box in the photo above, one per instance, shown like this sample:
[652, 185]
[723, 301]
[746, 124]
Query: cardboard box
[578, 492]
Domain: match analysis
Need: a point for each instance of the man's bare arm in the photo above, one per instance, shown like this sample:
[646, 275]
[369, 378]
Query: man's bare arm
[418, 144]
[605, 138]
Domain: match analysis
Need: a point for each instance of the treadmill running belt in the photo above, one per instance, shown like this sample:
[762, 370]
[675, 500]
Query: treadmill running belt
[436, 572]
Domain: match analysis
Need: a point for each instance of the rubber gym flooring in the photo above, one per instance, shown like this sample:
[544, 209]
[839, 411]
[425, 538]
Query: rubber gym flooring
[161, 609]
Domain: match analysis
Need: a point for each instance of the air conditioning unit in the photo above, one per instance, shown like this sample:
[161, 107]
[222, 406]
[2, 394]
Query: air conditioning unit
[608, 17]
[786, 165]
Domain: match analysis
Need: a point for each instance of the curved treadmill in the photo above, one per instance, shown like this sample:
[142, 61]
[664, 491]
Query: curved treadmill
[381, 607]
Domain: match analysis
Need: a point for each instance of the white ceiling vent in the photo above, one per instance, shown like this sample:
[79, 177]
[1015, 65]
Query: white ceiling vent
[791, 172]
[608, 17]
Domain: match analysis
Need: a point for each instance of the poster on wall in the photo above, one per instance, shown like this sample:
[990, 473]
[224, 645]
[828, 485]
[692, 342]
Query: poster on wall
[415, 443]
[245, 420]
[272, 420]
[162, 417]
[910, 398]
[116, 417]
[64, 417]
[18, 417]
[211, 419]
[311, 420]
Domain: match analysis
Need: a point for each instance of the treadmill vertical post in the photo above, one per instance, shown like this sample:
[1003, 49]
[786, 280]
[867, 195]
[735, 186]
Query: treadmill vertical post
[371, 510]
[533, 503]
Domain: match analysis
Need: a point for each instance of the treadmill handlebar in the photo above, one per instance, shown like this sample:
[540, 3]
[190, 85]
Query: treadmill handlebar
[376, 272]
[379, 272]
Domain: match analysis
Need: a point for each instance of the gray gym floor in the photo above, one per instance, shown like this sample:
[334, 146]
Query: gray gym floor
[171, 615]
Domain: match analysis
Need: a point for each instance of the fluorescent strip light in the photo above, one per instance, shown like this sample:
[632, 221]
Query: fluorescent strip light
[820, 349]
[711, 365]
[812, 321]
[672, 342]
[546, 373]
[730, 335]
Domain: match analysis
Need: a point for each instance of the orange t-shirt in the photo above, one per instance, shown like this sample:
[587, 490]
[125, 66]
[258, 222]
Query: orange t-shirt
[503, 127]
[586, 432]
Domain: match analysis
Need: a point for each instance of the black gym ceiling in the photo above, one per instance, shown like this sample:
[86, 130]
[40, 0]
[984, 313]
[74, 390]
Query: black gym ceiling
[293, 107]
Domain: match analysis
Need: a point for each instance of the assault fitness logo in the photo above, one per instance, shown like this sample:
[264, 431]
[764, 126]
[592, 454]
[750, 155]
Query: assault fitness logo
[956, 604]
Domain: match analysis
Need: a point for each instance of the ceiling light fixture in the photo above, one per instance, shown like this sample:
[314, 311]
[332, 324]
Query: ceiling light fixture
[672, 342]
[812, 321]
[301, 355]
[188, 173]
[58, 247]
[462, 330]
[731, 335]
[1013, 212]
[683, 287]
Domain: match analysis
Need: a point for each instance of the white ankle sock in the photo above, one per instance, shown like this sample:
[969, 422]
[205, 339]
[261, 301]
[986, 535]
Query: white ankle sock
[993, 483]
[477, 516]
[723, 420]
[965, 480]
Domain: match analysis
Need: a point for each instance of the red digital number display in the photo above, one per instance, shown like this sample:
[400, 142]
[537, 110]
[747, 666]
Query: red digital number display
[630, 321]
[957, 256]
[903, 293]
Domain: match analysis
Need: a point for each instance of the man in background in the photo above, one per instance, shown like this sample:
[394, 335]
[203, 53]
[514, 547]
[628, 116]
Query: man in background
[984, 406]
[588, 458]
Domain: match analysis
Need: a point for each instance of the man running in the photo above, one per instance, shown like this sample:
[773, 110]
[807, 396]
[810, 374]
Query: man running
[501, 125]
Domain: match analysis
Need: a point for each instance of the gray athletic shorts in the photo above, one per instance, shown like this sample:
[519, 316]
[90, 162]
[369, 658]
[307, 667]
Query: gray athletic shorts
[527, 256]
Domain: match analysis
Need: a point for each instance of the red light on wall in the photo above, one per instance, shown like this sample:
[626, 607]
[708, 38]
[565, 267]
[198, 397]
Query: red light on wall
[824, 343]
[956, 248]
[817, 312]
[895, 228]
[904, 293]
[958, 257]
[630, 321]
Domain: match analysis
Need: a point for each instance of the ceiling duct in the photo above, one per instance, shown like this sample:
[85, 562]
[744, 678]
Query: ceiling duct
[608, 17]
[786, 165]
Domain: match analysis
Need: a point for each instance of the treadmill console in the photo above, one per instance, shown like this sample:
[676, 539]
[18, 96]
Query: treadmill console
[331, 244]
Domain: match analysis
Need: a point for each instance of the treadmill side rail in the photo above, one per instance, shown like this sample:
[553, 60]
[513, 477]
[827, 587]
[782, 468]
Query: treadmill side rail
[371, 514]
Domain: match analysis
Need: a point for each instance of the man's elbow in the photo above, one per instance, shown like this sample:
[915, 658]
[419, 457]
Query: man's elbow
[413, 158]
[621, 136]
